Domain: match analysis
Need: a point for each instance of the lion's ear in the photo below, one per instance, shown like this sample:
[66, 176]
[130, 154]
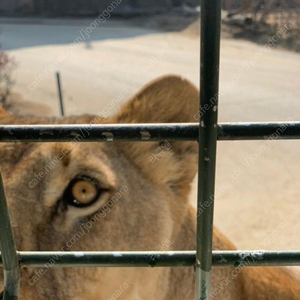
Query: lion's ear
[170, 99]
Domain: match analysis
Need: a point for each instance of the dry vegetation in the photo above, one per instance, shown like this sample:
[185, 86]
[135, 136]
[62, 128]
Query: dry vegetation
[255, 20]
[11, 101]
[261, 20]
[7, 66]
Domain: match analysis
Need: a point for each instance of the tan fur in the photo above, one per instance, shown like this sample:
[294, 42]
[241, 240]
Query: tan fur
[153, 209]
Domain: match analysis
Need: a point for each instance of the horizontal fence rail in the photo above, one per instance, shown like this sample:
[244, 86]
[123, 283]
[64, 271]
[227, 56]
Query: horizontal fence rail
[155, 259]
[146, 132]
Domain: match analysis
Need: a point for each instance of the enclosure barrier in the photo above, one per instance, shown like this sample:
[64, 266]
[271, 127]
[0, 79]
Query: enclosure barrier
[207, 132]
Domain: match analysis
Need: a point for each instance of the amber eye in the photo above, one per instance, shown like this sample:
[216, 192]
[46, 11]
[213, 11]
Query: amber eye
[82, 192]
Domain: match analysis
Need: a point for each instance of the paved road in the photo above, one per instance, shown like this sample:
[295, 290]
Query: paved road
[117, 56]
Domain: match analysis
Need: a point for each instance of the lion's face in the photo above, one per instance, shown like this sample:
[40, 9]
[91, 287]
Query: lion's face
[102, 197]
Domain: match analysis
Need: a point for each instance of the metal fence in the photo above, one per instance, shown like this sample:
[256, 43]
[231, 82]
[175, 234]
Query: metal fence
[207, 132]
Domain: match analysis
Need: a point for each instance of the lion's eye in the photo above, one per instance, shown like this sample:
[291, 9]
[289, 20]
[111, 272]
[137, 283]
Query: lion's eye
[84, 192]
[81, 192]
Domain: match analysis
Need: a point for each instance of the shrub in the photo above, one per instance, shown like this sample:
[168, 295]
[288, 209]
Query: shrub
[7, 66]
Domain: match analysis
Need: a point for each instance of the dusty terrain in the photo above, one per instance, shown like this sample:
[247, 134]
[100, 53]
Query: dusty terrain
[118, 56]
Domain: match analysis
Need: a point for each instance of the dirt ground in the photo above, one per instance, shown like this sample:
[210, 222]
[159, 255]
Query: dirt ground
[260, 206]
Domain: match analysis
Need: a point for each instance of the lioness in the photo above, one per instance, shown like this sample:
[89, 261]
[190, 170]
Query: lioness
[117, 197]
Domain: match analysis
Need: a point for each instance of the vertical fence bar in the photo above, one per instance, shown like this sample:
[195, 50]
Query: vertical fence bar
[8, 251]
[61, 101]
[209, 85]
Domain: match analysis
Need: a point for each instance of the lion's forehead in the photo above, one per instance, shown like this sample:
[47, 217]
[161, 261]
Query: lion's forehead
[22, 154]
